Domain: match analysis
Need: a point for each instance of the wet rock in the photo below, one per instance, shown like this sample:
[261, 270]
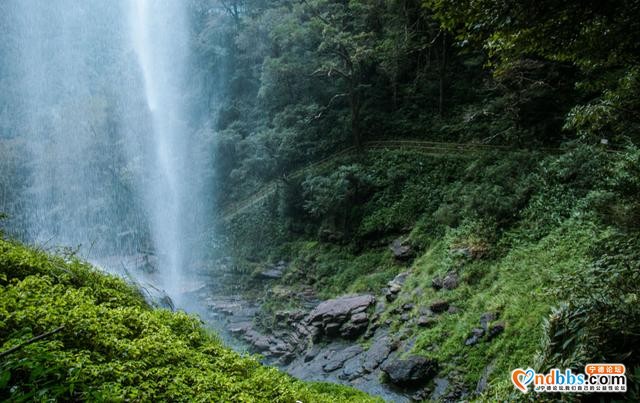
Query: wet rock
[336, 359]
[312, 353]
[359, 317]
[401, 250]
[439, 306]
[391, 293]
[240, 328]
[474, 338]
[495, 330]
[339, 307]
[332, 329]
[352, 368]
[287, 358]
[261, 343]
[409, 371]
[278, 349]
[441, 386]
[395, 286]
[290, 317]
[450, 282]
[351, 330]
[377, 353]
[336, 316]
[390, 296]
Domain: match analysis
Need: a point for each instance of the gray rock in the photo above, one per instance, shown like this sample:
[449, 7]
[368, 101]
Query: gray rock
[400, 279]
[474, 338]
[359, 317]
[339, 307]
[437, 283]
[261, 343]
[400, 250]
[312, 353]
[441, 386]
[409, 371]
[351, 330]
[336, 359]
[332, 329]
[352, 368]
[407, 307]
[344, 316]
[377, 353]
[450, 282]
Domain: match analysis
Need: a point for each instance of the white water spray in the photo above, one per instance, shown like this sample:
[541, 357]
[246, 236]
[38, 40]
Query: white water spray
[159, 37]
[102, 112]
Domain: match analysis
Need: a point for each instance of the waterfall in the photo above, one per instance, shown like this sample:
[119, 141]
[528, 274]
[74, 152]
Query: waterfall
[98, 102]
[159, 37]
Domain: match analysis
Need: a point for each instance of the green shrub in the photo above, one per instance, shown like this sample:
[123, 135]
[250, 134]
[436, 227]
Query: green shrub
[113, 347]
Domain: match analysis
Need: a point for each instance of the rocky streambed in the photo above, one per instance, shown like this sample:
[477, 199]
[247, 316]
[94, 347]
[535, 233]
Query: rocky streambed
[341, 340]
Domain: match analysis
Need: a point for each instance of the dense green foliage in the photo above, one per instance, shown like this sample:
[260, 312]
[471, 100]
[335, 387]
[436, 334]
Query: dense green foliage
[113, 347]
[549, 209]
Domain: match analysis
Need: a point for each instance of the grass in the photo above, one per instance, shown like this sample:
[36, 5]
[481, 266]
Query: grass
[529, 215]
[518, 286]
[335, 270]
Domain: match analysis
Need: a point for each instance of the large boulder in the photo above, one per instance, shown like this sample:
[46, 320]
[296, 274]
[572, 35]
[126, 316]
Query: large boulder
[410, 371]
[345, 316]
[401, 250]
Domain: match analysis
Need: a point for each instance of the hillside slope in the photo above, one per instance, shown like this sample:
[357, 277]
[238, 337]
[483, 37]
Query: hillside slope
[113, 347]
[507, 260]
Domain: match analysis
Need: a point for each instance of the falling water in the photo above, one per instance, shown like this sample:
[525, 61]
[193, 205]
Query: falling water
[159, 38]
[97, 100]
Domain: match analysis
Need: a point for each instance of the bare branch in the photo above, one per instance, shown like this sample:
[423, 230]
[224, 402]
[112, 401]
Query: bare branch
[31, 341]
